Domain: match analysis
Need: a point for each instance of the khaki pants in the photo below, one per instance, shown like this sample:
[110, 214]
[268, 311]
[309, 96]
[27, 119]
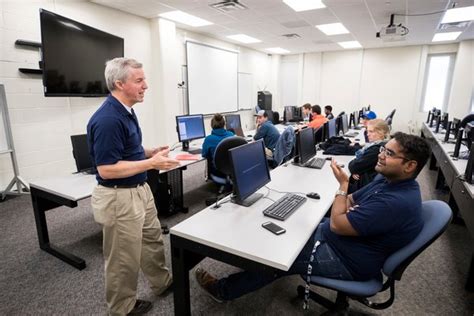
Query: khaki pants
[132, 240]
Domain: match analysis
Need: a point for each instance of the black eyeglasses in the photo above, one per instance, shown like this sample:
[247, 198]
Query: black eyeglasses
[390, 153]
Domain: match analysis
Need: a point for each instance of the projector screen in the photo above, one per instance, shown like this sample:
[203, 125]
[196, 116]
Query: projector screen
[212, 79]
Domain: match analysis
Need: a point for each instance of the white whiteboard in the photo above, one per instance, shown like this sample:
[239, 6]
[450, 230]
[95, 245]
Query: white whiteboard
[246, 101]
[212, 79]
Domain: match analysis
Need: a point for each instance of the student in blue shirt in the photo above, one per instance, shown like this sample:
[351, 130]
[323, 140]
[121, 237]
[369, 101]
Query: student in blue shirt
[217, 135]
[364, 228]
[267, 131]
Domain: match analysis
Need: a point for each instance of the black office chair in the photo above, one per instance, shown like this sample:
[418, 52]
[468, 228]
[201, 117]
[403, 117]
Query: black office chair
[276, 118]
[221, 164]
[389, 118]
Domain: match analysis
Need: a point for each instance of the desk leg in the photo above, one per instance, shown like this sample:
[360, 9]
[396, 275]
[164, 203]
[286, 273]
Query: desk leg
[42, 202]
[470, 276]
[433, 162]
[182, 261]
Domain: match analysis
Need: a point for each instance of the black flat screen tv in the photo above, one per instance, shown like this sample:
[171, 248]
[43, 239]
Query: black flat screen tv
[74, 56]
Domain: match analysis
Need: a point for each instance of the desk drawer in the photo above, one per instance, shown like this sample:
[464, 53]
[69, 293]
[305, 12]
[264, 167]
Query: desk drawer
[465, 204]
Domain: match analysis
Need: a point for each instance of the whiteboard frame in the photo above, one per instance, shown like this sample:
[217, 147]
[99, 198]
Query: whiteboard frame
[187, 73]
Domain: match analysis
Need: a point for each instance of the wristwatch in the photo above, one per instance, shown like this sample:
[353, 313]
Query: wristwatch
[340, 192]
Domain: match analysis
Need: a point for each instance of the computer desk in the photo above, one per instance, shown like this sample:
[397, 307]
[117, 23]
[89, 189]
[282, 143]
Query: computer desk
[233, 233]
[67, 190]
[461, 193]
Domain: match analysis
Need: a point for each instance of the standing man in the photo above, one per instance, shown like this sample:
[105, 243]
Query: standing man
[122, 201]
[267, 131]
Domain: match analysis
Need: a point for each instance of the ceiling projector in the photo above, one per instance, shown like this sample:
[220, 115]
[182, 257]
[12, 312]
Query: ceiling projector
[392, 32]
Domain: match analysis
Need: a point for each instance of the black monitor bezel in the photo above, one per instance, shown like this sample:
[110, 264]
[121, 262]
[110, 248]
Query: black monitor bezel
[75, 141]
[299, 144]
[335, 128]
[237, 192]
[189, 115]
[226, 118]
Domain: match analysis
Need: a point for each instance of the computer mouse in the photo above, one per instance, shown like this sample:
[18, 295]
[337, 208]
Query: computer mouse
[328, 158]
[249, 135]
[313, 195]
[357, 139]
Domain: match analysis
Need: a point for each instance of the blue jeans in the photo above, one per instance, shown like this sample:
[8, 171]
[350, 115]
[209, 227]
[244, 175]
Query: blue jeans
[325, 264]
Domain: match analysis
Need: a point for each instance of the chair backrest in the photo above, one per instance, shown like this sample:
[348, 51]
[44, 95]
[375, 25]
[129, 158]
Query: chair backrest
[436, 216]
[221, 155]
[391, 115]
[276, 118]
[284, 145]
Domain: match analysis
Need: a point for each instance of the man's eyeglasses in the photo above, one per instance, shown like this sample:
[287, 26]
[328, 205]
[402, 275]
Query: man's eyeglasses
[390, 153]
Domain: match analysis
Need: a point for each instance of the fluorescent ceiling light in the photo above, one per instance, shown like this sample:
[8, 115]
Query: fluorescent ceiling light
[350, 44]
[458, 15]
[277, 50]
[304, 5]
[448, 36]
[185, 18]
[332, 28]
[244, 38]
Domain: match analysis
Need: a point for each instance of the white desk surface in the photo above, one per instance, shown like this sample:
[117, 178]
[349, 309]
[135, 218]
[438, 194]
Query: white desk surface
[448, 148]
[237, 229]
[79, 186]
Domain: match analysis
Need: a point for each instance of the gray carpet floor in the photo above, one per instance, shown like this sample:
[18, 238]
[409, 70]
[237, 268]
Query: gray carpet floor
[33, 282]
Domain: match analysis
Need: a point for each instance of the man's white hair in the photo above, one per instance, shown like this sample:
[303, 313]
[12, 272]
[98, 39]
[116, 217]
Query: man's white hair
[117, 69]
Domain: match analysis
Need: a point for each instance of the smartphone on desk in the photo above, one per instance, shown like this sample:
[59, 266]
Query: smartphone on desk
[274, 228]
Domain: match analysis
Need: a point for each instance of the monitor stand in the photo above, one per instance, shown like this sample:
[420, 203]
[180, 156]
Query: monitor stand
[193, 151]
[248, 201]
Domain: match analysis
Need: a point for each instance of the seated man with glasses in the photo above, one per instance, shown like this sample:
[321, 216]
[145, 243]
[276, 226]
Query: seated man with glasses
[364, 229]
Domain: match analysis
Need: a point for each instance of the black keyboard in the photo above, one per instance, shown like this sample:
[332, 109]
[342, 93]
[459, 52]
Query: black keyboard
[284, 207]
[315, 163]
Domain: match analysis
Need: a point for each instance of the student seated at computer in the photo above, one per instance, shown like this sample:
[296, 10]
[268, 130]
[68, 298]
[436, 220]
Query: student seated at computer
[362, 168]
[211, 141]
[364, 229]
[328, 112]
[306, 111]
[366, 117]
[318, 119]
[266, 131]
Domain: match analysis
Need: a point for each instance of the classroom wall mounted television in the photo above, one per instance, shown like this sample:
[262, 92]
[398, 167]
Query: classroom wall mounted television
[74, 56]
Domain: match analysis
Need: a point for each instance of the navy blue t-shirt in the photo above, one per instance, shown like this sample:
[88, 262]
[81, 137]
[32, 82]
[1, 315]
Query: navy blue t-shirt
[113, 134]
[387, 216]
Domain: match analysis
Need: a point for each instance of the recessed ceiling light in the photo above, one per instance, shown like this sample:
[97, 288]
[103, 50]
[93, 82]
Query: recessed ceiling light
[350, 44]
[185, 18]
[458, 15]
[448, 36]
[304, 5]
[277, 50]
[332, 28]
[244, 38]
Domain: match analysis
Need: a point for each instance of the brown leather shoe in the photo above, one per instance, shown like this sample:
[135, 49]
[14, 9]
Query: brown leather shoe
[208, 284]
[141, 307]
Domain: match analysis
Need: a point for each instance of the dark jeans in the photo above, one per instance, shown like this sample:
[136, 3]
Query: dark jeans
[325, 264]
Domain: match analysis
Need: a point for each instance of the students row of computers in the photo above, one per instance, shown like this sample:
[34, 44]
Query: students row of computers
[462, 132]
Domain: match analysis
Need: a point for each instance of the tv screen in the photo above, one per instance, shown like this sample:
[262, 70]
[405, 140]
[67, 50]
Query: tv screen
[74, 56]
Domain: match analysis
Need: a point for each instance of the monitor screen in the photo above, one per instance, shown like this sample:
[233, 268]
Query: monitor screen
[332, 128]
[288, 113]
[249, 169]
[305, 143]
[74, 56]
[80, 151]
[190, 127]
[232, 123]
[345, 123]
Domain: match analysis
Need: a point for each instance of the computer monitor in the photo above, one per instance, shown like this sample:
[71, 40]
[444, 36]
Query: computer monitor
[356, 119]
[351, 120]
[305, 145]
[344, 124]
[80, 151]
[457, 147]
[232, 123]
[438, 124]
[190, 127]
[331, 128]
[250, 172]
[444, 120]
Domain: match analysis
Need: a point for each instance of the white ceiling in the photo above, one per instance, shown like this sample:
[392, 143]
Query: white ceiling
[268, 20]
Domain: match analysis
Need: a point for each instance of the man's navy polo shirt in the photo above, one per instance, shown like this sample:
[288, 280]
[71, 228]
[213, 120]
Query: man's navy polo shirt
[387, 216]
[113, 134]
